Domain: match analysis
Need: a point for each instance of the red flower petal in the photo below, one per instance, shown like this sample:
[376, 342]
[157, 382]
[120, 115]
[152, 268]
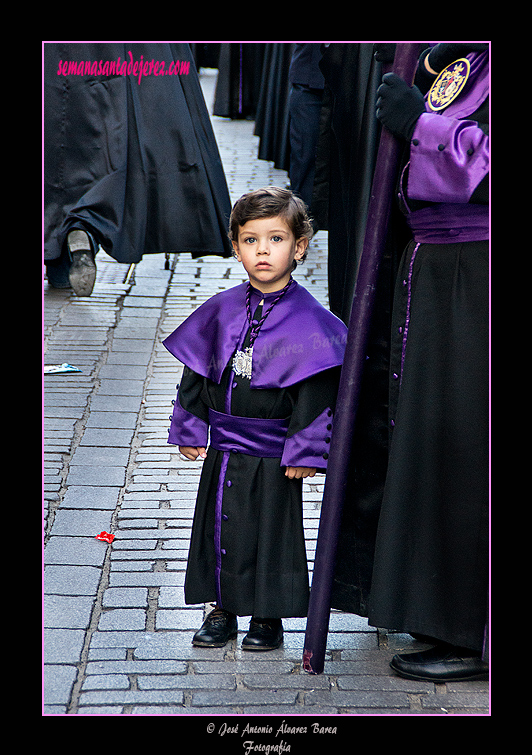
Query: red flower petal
[105, 536]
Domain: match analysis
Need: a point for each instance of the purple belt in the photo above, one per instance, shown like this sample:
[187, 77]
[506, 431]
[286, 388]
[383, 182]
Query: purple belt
[449, 223]
[248, 435]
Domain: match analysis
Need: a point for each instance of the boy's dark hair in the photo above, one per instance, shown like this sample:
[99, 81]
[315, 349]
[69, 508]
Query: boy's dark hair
[270, 202]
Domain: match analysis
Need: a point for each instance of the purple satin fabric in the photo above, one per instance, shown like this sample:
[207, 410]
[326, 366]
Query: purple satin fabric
[448, 159]
[299, 338]
[310, 447]
[248, 435]
[218, 527]
[449, 155]
[186, 429]
[450, 223]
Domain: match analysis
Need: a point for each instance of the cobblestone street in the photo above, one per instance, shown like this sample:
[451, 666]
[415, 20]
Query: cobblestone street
[117, 634]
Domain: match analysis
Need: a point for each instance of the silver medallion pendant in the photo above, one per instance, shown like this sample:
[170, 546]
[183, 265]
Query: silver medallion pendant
[242, 362]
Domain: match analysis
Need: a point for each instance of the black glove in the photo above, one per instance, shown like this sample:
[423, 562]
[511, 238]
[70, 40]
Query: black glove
[445, 53]
[399, 106]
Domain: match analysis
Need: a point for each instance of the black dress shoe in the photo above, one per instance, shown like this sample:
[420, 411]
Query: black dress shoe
[264, 634]
[219, 627]
[443, 663]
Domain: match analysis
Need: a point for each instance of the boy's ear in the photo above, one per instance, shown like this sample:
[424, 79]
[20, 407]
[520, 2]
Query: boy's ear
[301, 247]
[235, 250]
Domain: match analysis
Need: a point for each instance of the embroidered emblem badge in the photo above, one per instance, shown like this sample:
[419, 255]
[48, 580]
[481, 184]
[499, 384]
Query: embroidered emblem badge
[449, 84]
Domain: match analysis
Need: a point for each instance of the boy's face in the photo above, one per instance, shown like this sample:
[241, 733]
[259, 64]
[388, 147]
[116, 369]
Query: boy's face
[267, 248]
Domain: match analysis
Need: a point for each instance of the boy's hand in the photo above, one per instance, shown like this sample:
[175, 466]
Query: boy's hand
[192, 453]
[296, 473]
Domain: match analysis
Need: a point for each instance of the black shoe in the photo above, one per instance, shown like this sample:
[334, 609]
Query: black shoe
[443, 663]
[264, 634]
[219, 627]
[82, 273]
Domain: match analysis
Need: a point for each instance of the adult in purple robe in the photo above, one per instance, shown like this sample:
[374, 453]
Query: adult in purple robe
[430, 565]
[247, 549]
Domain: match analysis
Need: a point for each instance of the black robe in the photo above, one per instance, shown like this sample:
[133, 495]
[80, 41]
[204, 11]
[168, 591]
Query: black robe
[264, 570]
[430, 570]
[131, 158]
[347, 150]
[247, 549]
[273, 116]
[239, 79]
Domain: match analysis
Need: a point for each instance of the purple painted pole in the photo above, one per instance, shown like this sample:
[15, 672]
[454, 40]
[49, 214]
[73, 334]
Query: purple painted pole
[382, 192]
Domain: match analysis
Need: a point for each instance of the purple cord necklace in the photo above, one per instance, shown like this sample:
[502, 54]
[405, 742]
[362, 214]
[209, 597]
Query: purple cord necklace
[242, 361]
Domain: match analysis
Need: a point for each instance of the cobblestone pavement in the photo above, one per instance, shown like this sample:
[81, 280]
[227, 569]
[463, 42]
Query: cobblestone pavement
[117, 634]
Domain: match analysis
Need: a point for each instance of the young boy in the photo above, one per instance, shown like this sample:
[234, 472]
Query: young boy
[262, 364]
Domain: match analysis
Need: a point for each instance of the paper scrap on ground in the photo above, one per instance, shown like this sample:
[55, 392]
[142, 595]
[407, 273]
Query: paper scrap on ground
[57, 369]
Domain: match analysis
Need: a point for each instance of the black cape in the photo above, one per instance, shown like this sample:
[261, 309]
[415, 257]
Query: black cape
[134, 162]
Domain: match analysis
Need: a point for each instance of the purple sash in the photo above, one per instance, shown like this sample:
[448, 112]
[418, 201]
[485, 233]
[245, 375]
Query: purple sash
[450, 223]
[248, 435]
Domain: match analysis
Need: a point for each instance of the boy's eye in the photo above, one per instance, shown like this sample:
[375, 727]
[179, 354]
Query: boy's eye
[253, 239]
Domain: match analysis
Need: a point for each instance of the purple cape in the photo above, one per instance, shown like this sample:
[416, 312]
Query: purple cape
[299, 338]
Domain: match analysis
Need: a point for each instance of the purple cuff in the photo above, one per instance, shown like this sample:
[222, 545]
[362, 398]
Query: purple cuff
[310, 447]
[186, 429]
[448, 159]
